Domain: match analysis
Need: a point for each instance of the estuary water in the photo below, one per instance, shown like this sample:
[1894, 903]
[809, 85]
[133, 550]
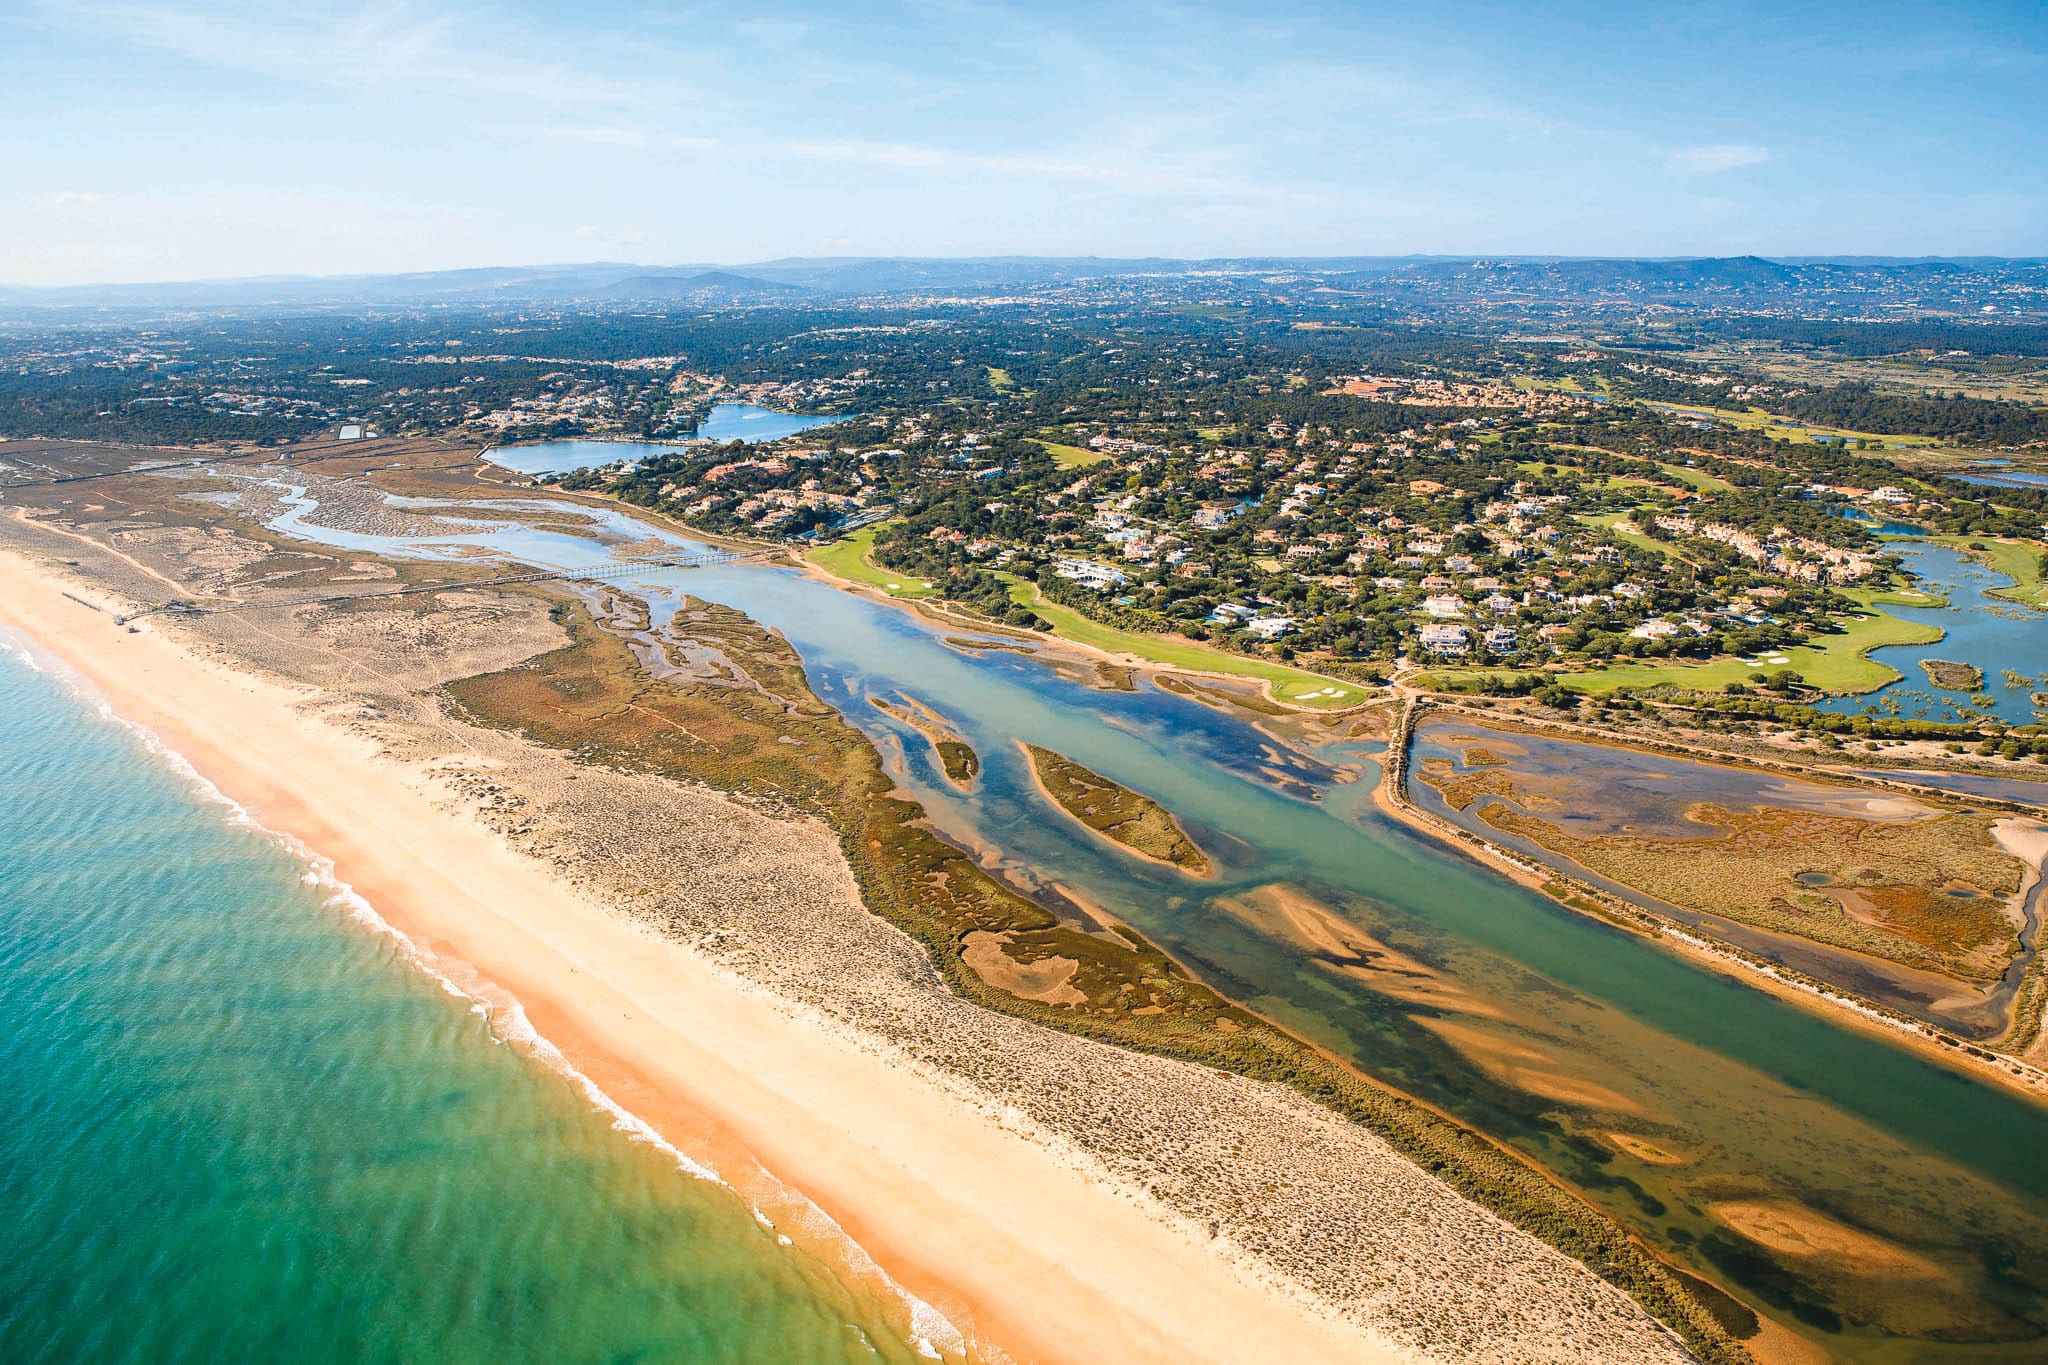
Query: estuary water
[725, 422]
[238, 1123]
[2016, 478]
[1884, 1203]
[2006, 641]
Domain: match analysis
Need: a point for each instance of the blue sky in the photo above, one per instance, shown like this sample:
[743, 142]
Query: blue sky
[174, 139]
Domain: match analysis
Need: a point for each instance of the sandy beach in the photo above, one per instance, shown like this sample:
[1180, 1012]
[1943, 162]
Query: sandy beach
[710, 966]
[981, 1222]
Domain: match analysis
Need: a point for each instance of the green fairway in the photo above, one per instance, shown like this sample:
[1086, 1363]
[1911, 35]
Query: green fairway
[1670, 477]
[1785, 429]
[1292, 685]
[1529, 383]
[848, 559]
[1071, 457]
[1836, 664]
[1907, 597]
[1698, 478]
[1606, 522]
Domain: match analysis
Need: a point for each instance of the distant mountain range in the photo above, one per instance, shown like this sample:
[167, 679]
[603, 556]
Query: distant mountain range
[1702, 279]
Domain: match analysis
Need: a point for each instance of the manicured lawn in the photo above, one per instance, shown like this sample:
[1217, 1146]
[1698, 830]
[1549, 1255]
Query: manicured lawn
[1606, 522]
[1838, 663]
[1784, 429]
[1072, 457]
[1698, 478]
[848, 559]
[999, 379]
[1292, 685]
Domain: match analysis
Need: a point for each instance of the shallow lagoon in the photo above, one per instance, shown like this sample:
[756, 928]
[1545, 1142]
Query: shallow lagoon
[2017, 478]
[1551, 1031]
[1988, 632]
[725, 422]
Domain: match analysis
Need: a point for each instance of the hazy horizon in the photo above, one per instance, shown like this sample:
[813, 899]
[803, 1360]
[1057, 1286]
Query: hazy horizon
[1250, 262]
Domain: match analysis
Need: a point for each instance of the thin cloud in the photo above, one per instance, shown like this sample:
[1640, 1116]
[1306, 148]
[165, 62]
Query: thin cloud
[1129, 173]
[610, 236]
[1714, 159]
[383, 45]
[631, 138]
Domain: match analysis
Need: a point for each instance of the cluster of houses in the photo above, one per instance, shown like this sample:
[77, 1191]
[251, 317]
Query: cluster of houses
[1521, 573]
[1377, 543]
[1493, 395]
[1780, 551]
[1460, 601]
[767, 510]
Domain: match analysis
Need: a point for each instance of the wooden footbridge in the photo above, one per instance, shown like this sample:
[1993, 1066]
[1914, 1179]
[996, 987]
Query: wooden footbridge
[605, 571]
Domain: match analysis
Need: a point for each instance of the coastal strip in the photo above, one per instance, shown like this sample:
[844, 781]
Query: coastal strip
[965, 1213]
[1327, 1221]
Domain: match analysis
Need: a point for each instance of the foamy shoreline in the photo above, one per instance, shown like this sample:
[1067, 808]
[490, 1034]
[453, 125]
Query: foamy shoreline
[1026, 1250]
[931, 1332]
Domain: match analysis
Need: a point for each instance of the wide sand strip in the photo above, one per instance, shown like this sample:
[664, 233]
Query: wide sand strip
[989, 1225]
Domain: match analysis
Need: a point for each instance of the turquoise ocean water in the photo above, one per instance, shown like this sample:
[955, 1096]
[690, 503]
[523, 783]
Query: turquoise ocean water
[237, 1122]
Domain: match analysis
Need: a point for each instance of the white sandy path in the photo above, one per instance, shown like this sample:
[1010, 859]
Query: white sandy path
[2027, 840]
[1049, 1264]
[2024, 839]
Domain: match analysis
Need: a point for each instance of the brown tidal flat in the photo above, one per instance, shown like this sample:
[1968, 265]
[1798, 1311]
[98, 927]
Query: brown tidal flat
[1793, 1230]
[1934, 886]
[1644, 1150]
[1288, 914]
[1526, 1068]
